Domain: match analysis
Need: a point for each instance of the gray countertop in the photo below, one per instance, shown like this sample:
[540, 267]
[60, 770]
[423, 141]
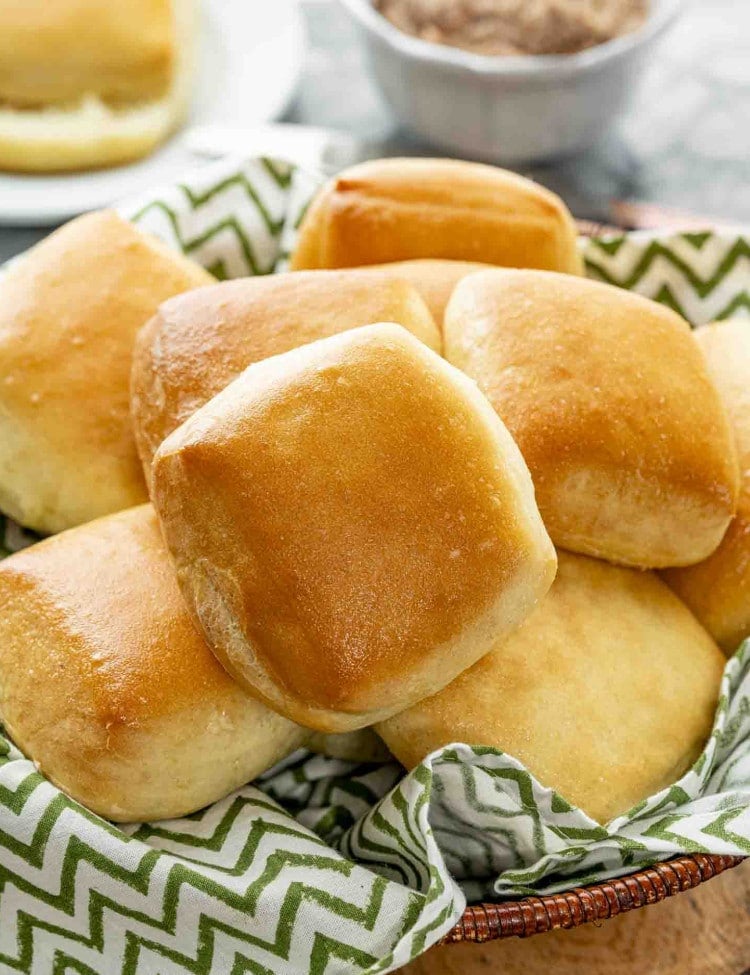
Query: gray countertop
[683, 143]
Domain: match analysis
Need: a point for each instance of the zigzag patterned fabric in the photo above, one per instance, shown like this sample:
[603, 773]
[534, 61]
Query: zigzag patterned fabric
[322, 866]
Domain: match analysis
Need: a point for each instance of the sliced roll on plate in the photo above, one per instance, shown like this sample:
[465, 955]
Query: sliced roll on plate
[86, 83]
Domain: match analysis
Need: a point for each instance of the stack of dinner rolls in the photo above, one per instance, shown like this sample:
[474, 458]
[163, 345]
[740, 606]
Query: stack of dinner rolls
[420, 484]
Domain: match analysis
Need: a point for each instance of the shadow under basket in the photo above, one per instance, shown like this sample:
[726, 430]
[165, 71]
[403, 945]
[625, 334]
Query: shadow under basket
[581, 905]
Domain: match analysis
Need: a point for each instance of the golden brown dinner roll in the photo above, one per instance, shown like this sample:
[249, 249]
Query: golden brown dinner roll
[353, 746]
[434, 280]
[399, 209]
[352, 526]
[606, 693]
[718, 589]
[610, 401]
[91, 82]
[108, 686]
[69, 313]
[198, 343]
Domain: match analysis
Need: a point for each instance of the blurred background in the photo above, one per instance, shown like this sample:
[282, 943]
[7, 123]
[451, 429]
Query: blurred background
[650, 129]
[682, 141]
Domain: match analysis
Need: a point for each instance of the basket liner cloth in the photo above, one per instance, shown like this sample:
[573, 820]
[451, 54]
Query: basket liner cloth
[324, 866]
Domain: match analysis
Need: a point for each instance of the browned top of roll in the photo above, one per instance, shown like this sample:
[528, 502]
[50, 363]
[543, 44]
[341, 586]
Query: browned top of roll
[126, 621]
[611, 403]
[718, 589]
[69, 313]
[198, 343]
[399, 209]
[107, 684]
[352, 525]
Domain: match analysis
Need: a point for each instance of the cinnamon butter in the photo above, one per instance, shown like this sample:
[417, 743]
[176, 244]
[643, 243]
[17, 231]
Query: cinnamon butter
[516, 27]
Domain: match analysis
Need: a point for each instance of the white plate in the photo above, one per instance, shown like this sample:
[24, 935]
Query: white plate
[250, 59]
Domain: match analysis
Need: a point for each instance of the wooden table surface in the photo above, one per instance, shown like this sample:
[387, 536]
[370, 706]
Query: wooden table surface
[702, 932]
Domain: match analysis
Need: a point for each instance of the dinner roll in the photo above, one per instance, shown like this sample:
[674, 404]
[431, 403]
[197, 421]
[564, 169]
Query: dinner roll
[198, 343]
[718, 589]
[352, 526]
[398, 209]
[106, 684]
[69, 313]
[434, 280]
[353, 746]
[606, 693]
[609, 399]
[87, 83]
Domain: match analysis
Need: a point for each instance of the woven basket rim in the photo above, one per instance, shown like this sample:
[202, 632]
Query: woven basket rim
[581, 905]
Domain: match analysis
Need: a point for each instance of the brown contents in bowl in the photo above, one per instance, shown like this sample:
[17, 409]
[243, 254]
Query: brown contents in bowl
[516, 26]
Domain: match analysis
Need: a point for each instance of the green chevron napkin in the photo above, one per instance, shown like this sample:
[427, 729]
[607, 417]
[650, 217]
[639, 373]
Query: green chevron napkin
[322, 866]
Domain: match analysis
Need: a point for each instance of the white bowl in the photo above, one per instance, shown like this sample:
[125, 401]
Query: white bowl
[507, 109]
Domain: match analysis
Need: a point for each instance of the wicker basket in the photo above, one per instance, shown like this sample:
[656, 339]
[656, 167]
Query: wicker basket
[581, 905]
